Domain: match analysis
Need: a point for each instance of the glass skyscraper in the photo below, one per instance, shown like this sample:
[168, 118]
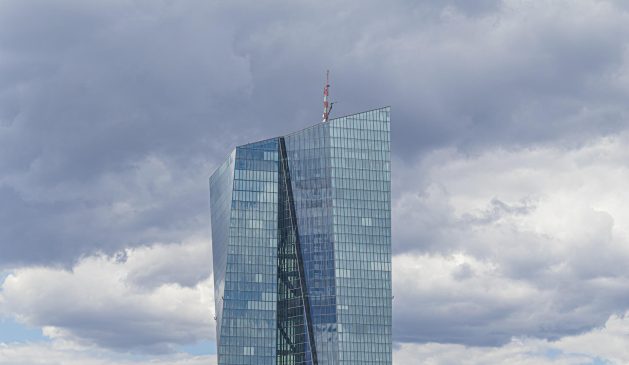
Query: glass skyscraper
[301, 235]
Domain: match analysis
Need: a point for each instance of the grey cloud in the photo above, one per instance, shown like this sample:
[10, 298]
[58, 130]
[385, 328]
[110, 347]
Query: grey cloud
[476, 7]
[463, 271]
[95, 90]
[112, 114]
[497, 210]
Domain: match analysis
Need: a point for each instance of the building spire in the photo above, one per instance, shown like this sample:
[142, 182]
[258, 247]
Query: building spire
[326, 91]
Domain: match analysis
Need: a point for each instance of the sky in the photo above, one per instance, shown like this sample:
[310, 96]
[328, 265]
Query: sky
[510, 123]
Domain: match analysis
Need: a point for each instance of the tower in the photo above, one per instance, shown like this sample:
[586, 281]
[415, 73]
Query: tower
[301, 236]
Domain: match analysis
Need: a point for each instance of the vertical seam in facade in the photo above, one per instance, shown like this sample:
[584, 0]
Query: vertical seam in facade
[300, 261]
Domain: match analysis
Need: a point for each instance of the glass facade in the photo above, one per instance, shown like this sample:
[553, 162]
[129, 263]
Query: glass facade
[301, 235]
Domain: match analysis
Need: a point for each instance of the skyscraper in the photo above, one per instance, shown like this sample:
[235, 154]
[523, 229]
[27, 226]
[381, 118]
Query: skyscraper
[301, 236]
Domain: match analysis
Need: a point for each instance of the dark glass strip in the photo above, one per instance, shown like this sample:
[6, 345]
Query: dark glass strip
[292, 301]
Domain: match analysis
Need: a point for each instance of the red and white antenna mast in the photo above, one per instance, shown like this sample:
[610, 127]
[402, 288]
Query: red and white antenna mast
[326, 91]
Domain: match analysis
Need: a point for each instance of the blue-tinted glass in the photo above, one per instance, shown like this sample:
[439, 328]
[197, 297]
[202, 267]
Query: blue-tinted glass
[308, 153]
[302, 246]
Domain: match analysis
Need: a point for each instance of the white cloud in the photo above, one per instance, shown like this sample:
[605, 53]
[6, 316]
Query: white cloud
[522, 242]
[608, 342]
[150, 298]
[185, 264]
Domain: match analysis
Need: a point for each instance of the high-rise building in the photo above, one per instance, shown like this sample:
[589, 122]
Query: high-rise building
[301, 236]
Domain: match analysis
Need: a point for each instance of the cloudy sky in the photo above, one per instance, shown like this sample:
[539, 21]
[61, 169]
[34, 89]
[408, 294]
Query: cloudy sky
[510, 126]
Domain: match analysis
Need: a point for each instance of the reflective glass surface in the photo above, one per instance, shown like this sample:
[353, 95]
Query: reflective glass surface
[361, 179]
[221, 187]
[302, 246]
[246, 326]
[308, 153]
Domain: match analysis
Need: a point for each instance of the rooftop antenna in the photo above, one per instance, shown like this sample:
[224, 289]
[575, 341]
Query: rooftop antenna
[327, 108]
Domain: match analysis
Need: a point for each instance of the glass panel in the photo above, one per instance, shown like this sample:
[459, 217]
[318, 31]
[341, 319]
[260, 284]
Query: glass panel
[301, 231]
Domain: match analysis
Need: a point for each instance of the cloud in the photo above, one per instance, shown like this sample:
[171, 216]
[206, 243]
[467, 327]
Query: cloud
[525, 73]
[599, 346]
[508, 243]
[156, 200]
[61, 353]
[113, 113]
[509, 126]
[101, 99]
[605, 345]
[516, 353]
[133, 301]
[458, 299]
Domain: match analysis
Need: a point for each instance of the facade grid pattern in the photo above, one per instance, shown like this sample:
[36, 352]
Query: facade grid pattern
[303, 264]
[308, 159]
[248, 318]
[361, 175]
